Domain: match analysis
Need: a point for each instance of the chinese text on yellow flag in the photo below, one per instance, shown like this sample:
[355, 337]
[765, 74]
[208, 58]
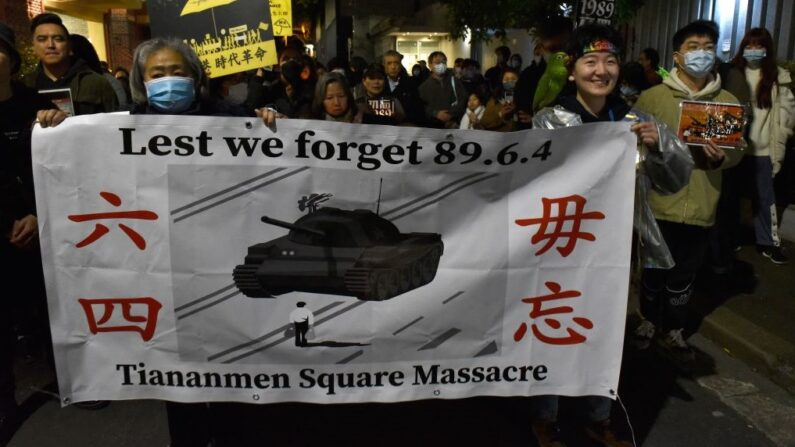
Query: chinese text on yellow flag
[229, 36]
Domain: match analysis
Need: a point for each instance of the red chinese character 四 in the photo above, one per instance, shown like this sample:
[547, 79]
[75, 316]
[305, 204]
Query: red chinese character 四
[142, 324]
[559, 219]
[101, 230]
[537, 311]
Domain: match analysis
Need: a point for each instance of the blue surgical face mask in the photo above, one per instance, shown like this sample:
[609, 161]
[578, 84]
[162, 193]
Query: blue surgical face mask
[172, 94]
[754, 56]
[698, 63]
[509, 85]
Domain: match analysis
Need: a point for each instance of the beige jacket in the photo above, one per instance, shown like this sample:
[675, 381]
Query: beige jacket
[782, 118]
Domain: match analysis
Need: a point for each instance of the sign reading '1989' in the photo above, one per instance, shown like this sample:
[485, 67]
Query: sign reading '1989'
[595, 11]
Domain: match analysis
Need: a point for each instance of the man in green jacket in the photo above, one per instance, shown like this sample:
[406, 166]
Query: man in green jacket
[57, 69]
[685, 216]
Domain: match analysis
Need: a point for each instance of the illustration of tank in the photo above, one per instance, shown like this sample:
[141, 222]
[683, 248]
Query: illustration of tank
[340, 252]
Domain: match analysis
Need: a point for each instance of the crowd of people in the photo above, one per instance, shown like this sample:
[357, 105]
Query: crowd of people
[687, 210]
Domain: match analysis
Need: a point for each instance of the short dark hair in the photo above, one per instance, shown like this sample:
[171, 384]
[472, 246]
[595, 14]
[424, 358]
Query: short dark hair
[392, 53]
[470, 63]
[698, 28]
[632, 74]
[45, 18]
[374, 71]
[434, 54]
[358, 63]
[504, 51]
[481, 91]
[653, 56]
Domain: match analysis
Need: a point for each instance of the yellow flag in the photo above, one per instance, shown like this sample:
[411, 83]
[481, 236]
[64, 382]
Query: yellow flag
[282, 17]
[192, 6]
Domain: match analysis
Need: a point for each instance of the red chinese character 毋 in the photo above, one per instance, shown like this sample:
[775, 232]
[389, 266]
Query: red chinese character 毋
[559, 219]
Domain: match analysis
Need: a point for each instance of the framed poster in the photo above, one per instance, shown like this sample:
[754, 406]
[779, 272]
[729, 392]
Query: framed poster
[723, 123]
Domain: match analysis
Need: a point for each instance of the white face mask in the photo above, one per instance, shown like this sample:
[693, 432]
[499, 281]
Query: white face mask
[440, 68]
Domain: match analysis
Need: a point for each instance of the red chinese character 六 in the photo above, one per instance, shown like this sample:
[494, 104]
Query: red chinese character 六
[101, 230]
[559, 220]
[147, 329]
[537, 311]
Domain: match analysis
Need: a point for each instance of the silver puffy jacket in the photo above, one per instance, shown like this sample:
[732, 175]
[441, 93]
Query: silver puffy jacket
[666, 170]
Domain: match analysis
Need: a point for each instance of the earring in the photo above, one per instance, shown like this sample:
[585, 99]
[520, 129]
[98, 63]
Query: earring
[571, 78]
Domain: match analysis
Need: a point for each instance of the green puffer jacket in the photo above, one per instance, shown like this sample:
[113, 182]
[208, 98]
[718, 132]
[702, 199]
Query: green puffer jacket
[694, 204]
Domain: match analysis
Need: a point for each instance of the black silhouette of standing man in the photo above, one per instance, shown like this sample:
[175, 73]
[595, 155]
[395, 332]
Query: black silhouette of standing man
[302, 320]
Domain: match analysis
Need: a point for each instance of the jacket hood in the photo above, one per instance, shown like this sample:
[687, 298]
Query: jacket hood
[712, 87]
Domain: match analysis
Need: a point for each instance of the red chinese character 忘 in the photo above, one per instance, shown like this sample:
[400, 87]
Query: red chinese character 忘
[559, 220]
[143, 324]
[574, 337]
[101, 230]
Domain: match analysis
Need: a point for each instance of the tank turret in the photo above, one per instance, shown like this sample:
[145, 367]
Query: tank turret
[340, 252]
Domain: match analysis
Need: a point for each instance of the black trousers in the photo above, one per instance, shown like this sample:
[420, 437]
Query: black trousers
[666, 293]
[301, 328]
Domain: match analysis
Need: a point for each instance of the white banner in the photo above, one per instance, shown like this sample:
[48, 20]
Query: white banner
[435, 264]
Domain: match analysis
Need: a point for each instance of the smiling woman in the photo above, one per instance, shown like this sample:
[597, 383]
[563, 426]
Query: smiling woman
[593, 64]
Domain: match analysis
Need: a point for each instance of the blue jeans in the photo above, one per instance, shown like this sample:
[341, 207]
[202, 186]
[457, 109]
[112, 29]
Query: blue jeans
[760, 169]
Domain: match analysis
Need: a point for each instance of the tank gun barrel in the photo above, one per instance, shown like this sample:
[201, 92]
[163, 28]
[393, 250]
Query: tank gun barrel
[289, 226]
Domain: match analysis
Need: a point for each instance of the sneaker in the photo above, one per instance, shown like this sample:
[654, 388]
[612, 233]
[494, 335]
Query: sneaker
[547, 434]
[601, 432]
[643, 334]
[775, 254]
[674, 344]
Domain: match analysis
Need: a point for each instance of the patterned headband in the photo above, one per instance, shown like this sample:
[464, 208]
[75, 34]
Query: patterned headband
[599, 45]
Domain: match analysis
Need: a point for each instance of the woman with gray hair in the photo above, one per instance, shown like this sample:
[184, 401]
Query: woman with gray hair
[333, 101]
[168, 78]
